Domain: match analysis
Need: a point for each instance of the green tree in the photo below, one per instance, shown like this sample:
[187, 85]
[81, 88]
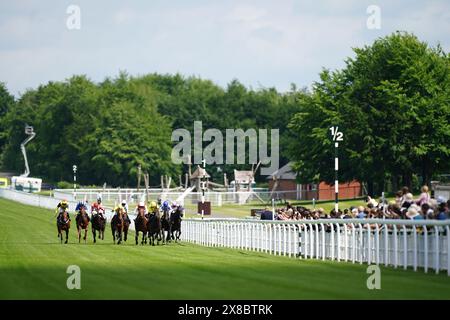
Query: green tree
[6, 103]
[392, 103]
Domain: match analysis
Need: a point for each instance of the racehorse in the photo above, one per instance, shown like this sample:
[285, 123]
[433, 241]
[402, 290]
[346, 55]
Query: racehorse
[175, 219]
[63, 224]
[154, 228]
[166, 225]
[82, 220]
[140, 225]
[98, 222]
[119, 225]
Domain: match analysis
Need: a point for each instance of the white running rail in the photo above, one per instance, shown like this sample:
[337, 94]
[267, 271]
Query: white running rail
[399, 243]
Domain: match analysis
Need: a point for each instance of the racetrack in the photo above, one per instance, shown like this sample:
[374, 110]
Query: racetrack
[33, 266]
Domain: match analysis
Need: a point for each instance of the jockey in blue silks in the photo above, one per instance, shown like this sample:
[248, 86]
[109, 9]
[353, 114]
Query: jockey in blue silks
[165, 206]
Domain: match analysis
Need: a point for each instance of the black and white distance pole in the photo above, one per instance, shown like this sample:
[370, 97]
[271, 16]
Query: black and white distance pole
[337, 137]
[203, 186]
[74, 168]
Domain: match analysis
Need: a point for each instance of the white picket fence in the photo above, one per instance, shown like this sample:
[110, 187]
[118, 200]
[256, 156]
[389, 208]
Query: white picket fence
[398, 243]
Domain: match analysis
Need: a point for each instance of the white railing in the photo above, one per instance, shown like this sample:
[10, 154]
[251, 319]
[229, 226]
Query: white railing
[217, 198]
[398, 243]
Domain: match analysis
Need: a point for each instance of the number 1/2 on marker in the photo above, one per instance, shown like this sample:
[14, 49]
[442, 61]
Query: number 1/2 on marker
[337, 137]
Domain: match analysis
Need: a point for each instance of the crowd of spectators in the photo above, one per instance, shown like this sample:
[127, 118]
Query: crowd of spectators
[403, 207]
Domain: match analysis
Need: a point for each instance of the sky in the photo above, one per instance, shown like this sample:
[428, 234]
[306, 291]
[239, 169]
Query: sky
[261, 43]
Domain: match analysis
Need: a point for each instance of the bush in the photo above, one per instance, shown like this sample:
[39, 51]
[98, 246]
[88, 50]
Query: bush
[64, 185]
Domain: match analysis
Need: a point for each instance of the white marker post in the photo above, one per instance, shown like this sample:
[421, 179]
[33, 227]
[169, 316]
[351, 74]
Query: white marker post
[74, 168]
[203, 186]
[337, 136]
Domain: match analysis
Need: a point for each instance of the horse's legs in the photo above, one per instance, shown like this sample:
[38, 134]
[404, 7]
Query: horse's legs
[136, 237]
[160, 236]
[119, 236]
[67, 236]
[79, 234]
[85, 234]
[125, 235]
[168, 236]
[145, 237]
[94, 234]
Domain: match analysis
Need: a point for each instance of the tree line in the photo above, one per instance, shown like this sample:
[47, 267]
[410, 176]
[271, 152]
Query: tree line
[391, 101]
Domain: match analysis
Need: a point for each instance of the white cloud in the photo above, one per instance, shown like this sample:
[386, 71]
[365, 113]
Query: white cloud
[259, 42]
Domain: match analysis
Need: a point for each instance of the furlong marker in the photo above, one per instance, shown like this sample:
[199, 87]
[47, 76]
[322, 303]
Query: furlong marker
[337, 136]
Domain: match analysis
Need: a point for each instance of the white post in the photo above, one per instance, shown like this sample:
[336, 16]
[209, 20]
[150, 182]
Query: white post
[74, 168]
[353, 242]
[447, 232]
[338, 233]
[395, 246]
[415, 248]
[332, 242]
[436, 249]
[345, 243]
[405, 249]
[377, 244]
[369, 249]
[386, 245]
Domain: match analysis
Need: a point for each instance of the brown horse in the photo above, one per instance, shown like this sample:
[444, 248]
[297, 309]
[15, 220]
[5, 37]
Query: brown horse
[63, 224]
[154, 228]
[82, 220]
[119, 225]
[98, 224]
[166, 225]
[175, 219]
[140, 225]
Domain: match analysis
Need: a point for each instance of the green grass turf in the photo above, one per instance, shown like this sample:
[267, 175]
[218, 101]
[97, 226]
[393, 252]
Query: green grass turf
[33, 265]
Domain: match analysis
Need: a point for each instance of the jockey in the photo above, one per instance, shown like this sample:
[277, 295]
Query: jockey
[81, 206]
[125, 206]
[177, 207]
[81, 209]
[153, 207]
[125, 213]
[165, 206]
[141, 205]
[97, 207]
[60, 208]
